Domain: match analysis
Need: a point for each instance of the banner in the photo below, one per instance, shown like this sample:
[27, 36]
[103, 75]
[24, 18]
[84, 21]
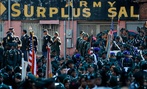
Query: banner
[58, 10]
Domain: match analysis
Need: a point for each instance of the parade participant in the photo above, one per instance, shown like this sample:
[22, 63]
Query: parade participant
[56, 44]
[127, 61]
[47, 41]
[2, 85]
[78, 41]
[24, 47]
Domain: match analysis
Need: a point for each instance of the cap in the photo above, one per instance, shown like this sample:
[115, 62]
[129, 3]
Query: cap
[112, 54]
[40, 70]
[45, 30]
[11, 29]
[90, 77]
[18, 75]
[96, 49]
[69, 62]
[77, 55]
[126, 53]
[66, 80]
[56, 33]
[86, 35]
[8, 68]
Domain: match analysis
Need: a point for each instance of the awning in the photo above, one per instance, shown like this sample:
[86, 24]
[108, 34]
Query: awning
[49, 21]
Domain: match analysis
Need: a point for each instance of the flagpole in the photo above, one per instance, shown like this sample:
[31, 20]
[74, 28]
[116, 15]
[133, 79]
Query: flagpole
[118, 29]
[109, 40]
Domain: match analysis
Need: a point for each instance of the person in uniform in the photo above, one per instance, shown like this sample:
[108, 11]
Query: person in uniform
[78, 41]
[86, 45]
[24, 47]
[2, 85]
[12, 57]
[56, 44]
[46, 40]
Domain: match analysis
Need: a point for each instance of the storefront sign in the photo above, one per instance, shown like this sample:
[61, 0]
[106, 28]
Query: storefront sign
[79, 10]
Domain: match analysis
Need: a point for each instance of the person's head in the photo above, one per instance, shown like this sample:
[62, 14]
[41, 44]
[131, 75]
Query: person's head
[82, 81]
[49, 84]
[81, 33]
[85, 36]
[104, 53]
[9, 69]
[32, 33]
[66, 82]
[24, 32]
[56, 34]
[45, 32]
[70, 64]
[41, 73]
[98, 80]
[90, 69]
[145, 55]
[90, 81]
[11, 29]
[63, 70]
[17, 77]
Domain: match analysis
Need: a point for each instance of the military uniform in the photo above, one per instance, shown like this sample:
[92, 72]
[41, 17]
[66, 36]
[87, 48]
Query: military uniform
[24, 47]
[12, 58]
[46, 39]
[56, 45]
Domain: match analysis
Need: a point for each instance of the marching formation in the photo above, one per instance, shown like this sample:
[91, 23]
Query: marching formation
[90, 67]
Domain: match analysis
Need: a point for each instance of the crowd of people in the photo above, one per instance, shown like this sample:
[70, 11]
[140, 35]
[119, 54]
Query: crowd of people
[88, 68]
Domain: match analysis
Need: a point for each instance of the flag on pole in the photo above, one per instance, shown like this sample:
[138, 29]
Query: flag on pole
[109, 39]
[48, 65]
[32, 57]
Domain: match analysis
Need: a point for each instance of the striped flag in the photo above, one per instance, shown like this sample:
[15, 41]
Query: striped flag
[48, 65]
[32, 57]
[109, 40]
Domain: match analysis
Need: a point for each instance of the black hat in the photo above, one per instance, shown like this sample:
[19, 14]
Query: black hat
[69, 62]
[11, 29]
[113, 81]
[66, 80]
[18, 75]
[49, 81]
[40, 70]
[17, 69]
[104, 52]
[25, 31]
[31, 77]
[90, 77]
[8, 68]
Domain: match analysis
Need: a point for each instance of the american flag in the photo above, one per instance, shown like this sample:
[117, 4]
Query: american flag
[109, 40]
[32, 57]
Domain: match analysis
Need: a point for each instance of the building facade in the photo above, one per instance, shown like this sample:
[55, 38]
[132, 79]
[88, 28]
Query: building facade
[91, 16]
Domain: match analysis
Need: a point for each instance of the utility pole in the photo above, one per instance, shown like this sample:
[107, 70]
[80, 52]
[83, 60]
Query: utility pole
[9, 13]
